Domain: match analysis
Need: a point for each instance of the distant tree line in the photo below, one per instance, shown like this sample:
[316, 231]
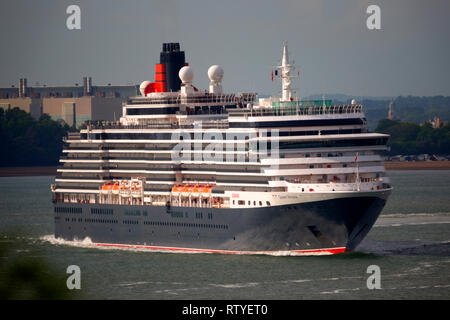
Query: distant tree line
[27, 142]
[409, 138]
[407, 109]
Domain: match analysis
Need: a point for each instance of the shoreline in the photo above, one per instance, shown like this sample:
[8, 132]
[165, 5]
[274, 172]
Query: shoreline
[389, 165]
[417, 165]
[27, 171]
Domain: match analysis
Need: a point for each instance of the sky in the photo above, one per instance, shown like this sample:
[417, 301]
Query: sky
[119, 42]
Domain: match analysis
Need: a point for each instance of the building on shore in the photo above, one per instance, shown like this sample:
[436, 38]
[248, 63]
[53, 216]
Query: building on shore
[72, 104]
[391, 113]
[437, 122]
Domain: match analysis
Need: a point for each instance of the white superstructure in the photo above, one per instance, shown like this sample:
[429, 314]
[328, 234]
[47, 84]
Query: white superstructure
[211, 149]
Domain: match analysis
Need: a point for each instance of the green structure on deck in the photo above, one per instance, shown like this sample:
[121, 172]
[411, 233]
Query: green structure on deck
[291, 107]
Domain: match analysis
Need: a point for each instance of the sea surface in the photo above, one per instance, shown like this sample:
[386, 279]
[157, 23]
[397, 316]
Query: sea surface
[410, 244]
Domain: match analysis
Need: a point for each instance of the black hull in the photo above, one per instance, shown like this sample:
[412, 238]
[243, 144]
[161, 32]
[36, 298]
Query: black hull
[302, 227]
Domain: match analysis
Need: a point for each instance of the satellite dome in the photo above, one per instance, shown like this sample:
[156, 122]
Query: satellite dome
[186, 74]
[142, 87]
[215, 73]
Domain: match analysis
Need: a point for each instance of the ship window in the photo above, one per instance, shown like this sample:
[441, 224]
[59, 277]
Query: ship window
[268, 203]
[241, 202]
[254, 203]
[260, 203]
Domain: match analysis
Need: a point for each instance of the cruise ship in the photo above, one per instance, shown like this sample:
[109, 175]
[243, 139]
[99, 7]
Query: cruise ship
[193, 170]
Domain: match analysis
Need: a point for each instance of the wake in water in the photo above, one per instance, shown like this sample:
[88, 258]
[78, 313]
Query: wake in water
[84, 243]
[87, 243]
[402, 219]
[368, 246]
[430, 227]
[384, 247]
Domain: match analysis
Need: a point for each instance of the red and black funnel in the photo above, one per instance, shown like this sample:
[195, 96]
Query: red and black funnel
[173, 60]
[166, 72]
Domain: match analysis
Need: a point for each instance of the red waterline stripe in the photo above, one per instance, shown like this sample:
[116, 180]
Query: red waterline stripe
[330, 250]
[313, 251]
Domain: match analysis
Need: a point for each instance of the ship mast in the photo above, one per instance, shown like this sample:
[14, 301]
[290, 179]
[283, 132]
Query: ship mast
[286, 68]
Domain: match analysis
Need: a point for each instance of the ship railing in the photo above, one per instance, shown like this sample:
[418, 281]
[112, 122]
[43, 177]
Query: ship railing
[101, 156]
[206, 97]
[147, 100]
[206, 124]
[336, 181]
[296, 110]
[152, 124]
[337, 186]
[221, 98]
[117, 125]
[132, 198]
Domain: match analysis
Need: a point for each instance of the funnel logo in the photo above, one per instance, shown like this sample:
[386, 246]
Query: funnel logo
[73, 21]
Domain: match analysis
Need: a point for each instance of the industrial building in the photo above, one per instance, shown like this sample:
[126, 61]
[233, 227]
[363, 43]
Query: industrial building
[72, 104]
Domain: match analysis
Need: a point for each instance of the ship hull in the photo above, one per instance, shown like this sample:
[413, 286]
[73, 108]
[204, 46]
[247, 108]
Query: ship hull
[316, 227]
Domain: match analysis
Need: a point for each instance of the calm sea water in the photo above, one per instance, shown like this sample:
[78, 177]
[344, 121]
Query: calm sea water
[410, 243]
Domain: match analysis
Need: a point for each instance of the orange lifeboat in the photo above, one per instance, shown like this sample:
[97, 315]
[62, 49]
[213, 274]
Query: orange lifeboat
[107, 186]
[205, 189]
[194, 190]
[115, 187]
[177, 188]
[186, 190]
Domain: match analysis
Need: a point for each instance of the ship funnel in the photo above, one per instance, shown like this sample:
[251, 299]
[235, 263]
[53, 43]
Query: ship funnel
[174, 60]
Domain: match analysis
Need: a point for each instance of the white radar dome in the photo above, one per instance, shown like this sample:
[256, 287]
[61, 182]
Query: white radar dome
[215, 73]
[142, 87]
[186, 74]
